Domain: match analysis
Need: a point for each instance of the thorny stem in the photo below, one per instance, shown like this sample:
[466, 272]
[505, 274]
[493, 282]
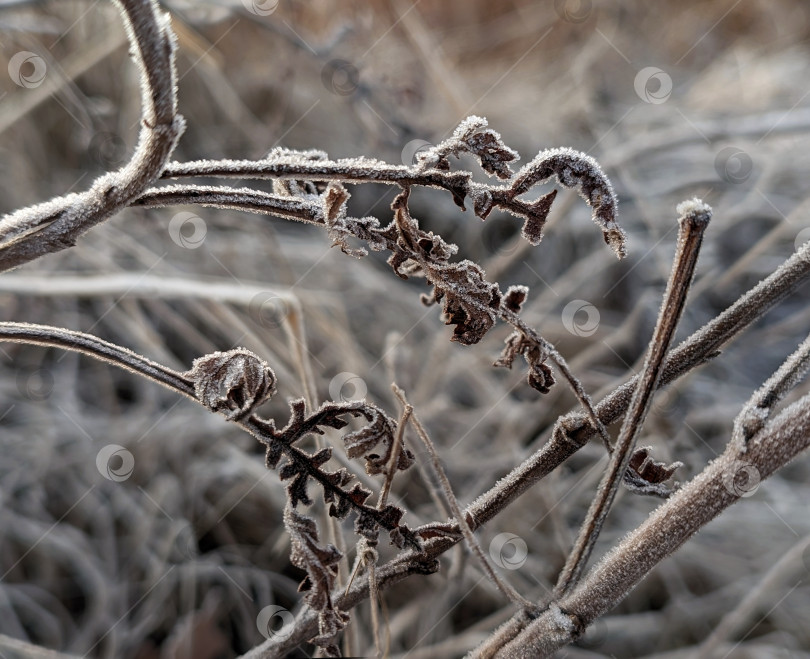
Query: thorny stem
[694, 219]
[469, 536]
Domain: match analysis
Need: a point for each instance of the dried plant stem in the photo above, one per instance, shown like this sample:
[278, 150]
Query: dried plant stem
[407, 410]
[55, 225]
[759, 407]
[88, 344]
[702, 345]
[699, 348]
[181, 383]
[374, 599]
[694, 219]
[664, 531]
[469, 536]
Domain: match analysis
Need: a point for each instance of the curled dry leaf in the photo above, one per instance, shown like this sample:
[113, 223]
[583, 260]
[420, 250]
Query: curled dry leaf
[540, 377]
[379, 431]
[573, 169]
[321, 566]
[645, 475]
[233, 383]
[470, 302]
[517, 343]
[472, 136]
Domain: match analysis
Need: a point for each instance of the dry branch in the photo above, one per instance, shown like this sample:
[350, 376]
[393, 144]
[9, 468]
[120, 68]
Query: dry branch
[32, 232]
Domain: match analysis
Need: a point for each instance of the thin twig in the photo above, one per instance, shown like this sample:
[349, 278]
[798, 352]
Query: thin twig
[694, 218]
[759, 407]
[391, 470]
[664, 531]
[183, 383]
[469, 536]
[98, 348]
[699, 348]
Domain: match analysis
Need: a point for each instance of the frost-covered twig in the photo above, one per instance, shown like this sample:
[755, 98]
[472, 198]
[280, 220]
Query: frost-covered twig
[699, 348]
[461, 520]
[48, 227]
[572, 169]
[235, 383]
[663, 532]
[88, 344]
[758, 409]
[693, 220]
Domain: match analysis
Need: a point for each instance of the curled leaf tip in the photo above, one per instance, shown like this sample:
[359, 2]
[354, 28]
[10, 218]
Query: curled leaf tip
[574, 169]
[233, 383]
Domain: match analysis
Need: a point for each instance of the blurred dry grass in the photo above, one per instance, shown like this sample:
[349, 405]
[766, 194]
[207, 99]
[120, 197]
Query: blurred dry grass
[177, 560]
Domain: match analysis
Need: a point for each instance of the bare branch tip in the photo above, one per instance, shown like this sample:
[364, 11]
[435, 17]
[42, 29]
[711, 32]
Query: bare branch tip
[695, 212]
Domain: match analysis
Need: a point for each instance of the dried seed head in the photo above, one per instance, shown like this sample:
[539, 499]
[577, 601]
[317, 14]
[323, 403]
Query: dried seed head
[233, 382]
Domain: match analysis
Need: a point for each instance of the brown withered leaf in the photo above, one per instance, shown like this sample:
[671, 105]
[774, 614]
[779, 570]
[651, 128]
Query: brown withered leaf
[473, 136]
[645, 475]
[321, 565]
[536, 215]
[233, 383]
[471, 303]
[378, 431]
[517, 343]
[374, 441]
[515, 297]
